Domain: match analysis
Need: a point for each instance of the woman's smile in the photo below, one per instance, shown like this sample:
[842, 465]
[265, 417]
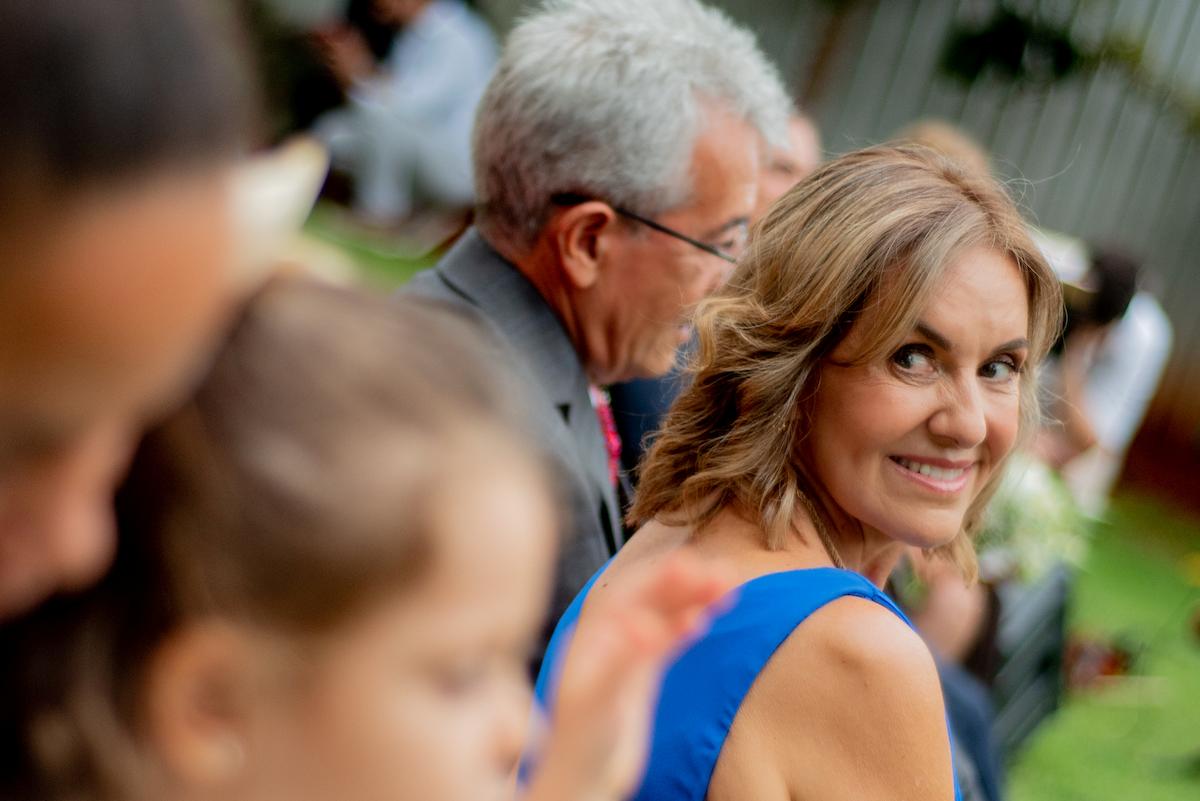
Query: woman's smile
[940, 476]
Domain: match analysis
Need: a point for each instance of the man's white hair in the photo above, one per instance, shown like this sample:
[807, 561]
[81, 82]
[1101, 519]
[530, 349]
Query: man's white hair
[606, 98]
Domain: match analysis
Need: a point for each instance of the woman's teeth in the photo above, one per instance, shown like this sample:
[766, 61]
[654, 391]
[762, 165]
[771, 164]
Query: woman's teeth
[936, 473]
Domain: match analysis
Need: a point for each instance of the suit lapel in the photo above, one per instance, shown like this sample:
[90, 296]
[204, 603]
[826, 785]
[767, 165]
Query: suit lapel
[476, 272]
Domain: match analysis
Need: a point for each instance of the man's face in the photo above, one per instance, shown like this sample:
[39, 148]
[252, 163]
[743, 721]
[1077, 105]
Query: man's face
[108, 304]
[650, 281]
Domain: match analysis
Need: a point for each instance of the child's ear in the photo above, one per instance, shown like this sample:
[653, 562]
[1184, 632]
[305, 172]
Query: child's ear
[201, 686]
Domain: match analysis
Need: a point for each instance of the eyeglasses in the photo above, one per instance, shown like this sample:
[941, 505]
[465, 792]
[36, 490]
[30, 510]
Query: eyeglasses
[572, 199]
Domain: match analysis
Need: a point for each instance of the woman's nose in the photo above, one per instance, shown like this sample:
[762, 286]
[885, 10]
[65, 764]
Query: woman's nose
[960, 420]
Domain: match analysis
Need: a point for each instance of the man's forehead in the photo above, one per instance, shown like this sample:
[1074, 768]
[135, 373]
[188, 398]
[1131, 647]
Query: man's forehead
[723, 172]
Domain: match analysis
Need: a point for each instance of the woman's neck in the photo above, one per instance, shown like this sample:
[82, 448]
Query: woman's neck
[859, 548]
[736, 538]
[878, 563]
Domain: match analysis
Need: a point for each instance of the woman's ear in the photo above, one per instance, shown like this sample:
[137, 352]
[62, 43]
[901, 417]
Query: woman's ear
[197, 708]
[581, 238]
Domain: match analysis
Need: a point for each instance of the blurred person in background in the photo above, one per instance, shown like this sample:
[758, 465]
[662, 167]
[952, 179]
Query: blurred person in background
[639, 405]
[949, 140]
[1108, 365]
[405, 131]
[617, 151]
[119, 119]
[786, 166]
[860, 382]
[333, 561]
[295, 81]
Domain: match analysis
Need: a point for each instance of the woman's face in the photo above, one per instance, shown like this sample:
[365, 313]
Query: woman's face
[904, 443]
[108, 308]
[427, 696]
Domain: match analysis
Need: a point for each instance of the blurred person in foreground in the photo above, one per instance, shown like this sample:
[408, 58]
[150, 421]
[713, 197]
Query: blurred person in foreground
[617, 152]
[859, 384]
[118, 120]
[639, 405]
[406, 128]
[333, 561]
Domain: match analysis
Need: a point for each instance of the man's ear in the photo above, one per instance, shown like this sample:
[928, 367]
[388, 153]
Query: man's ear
[580, 235]
[201, 685]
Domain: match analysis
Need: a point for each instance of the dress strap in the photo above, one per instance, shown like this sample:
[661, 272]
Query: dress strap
[705, 688]
[545, 688]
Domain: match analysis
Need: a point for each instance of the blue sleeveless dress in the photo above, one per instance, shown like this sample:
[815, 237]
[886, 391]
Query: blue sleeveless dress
[704, 689]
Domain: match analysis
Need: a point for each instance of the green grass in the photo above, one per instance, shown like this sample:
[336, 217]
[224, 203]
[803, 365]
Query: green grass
[381, 260]
[1138, 740]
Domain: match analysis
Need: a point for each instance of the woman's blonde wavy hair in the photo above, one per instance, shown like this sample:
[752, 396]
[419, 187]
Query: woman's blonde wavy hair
[879, 228]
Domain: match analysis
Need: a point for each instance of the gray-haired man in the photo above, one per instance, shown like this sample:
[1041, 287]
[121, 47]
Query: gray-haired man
[616, 152]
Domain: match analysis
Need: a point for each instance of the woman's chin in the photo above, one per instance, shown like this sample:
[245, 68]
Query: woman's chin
[929, 537]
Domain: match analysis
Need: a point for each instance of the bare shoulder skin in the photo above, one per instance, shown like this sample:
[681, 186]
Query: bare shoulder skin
[848, 709]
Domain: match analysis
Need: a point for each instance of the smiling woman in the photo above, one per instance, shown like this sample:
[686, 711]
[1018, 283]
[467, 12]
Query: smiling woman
[858, 385]
[904, 443]
[889, 270]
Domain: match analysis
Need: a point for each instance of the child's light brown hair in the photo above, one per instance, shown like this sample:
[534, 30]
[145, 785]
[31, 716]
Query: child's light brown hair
[293, 489]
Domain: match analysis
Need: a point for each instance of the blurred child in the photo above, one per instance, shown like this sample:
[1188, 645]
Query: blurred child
[333, 561]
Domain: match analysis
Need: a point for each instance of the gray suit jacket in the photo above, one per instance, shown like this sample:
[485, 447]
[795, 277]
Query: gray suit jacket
[472, 274]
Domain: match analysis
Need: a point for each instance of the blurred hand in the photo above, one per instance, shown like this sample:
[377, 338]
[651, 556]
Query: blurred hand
[596, 747]
[345, 54]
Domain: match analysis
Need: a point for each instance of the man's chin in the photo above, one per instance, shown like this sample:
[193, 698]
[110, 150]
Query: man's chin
[651, 365]
[658, 368]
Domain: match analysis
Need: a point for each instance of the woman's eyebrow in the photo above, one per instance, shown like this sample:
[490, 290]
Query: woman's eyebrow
[1013, 344]
[933, 336]
[925, 330]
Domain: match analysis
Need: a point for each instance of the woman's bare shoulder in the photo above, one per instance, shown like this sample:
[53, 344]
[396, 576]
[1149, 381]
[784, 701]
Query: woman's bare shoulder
[856, 638]
[851, 707]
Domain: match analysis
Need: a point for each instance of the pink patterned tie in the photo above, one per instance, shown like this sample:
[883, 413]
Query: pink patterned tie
[612, 440]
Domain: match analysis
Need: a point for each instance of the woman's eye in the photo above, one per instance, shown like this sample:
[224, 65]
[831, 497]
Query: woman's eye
[1004, 369]
[914, 359]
